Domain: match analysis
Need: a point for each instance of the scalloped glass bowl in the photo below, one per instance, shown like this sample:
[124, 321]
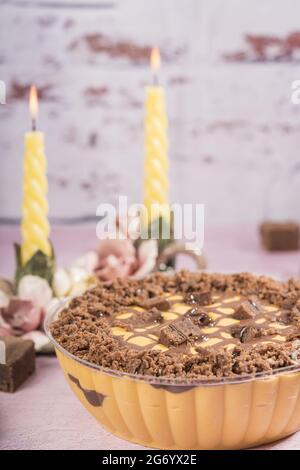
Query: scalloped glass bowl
[185, 414]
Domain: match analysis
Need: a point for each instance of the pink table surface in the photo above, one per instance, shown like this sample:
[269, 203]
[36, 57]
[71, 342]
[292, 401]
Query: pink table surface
[43, 413]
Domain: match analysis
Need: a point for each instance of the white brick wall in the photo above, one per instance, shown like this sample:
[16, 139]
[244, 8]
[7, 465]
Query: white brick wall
[232, 124]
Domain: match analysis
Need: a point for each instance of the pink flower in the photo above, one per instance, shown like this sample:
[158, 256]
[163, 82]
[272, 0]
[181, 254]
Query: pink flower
[117, 258]
[117, 254]
[22, 316]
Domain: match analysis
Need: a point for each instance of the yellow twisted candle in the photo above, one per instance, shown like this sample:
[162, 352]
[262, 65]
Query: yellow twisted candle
[156, 184]
[35, 227]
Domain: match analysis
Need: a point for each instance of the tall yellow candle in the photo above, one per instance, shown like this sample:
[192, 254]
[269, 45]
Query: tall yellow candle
[35, 227]
[156, 184]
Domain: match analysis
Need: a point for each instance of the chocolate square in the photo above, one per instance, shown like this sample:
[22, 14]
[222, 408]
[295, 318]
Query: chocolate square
[244, 334]
[17, 362]
[170, 336]
[188, 328]
[291, 300]
[199, 316]
[158, 302]
[199, 298]
[153, 316]
[280, 236]
[179, 333]
[248, 333]
[247, 310]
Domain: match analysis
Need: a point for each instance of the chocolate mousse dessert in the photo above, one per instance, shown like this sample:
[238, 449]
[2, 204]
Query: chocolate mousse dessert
[186, 325]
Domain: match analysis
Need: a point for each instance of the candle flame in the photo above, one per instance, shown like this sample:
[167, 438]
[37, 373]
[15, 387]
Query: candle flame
[155, 59]
[33, 102]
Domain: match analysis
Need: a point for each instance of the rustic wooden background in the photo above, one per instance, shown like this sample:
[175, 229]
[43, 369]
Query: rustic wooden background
[228, 66]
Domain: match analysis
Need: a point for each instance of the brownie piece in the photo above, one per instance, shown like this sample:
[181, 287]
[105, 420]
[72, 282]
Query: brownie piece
[199, 316]
[246, 310]
[179, 333]
[17, 362]
[188, 328]
[280, 236]
[199, 298]
[156, 302]
[244, 334]
[248, 333]
[291, 301]
[290, 317]
[170, 336]
[194, 312]
[152, 316]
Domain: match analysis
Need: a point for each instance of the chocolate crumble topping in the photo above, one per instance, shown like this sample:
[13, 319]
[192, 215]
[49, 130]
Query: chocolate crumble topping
[187, 325]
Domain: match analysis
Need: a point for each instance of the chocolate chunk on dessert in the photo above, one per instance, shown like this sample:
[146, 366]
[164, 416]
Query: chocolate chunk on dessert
[171, 336]
[290, 301]
[153, 316]
[146, 317]
[246, 310]
[254, 301]
[280, 236]
[290, 317]
[285, 318]
[194, 312]
[248, 333]
[199, 298]
[200, 317]
[295, 316]
[179, 333]
[245, 333]
[188, 329]
[17, 362]
[158, 302]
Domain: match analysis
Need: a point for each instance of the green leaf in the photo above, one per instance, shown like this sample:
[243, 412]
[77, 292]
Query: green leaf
[38, 265]
[162, 230]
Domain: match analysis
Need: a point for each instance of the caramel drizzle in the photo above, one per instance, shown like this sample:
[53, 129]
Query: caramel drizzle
[219, 302]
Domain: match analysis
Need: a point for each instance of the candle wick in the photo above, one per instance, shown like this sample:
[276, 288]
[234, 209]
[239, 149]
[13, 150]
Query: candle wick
[33, 125]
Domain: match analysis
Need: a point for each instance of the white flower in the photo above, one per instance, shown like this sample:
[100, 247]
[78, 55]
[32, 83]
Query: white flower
[36, 289]
[147, 256]
[62, 282]
[87, 262]
[78, 275]
[78, 288]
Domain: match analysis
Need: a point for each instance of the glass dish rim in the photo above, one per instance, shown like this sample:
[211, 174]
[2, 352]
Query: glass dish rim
[159, 381]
